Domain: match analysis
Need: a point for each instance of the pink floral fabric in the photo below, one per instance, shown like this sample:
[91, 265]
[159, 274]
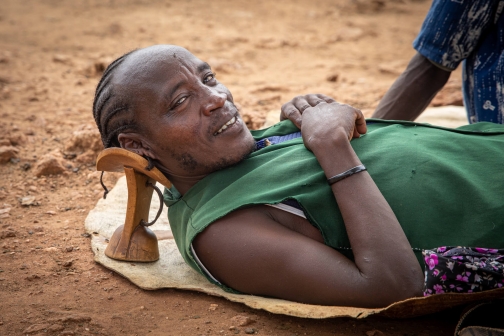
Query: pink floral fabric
[462, 269]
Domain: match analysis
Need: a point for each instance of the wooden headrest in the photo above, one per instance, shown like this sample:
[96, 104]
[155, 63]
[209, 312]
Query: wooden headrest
[115, 159]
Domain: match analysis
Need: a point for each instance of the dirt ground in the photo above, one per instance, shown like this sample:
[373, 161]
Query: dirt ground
[52, 53]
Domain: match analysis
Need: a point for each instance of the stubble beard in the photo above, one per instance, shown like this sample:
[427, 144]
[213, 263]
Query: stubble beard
[228, 162]
[189, 164]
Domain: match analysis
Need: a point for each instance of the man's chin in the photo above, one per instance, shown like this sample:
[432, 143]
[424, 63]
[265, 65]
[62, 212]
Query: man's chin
[234, 159]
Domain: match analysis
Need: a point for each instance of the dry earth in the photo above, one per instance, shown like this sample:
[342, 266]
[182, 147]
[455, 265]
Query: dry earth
[52, 53]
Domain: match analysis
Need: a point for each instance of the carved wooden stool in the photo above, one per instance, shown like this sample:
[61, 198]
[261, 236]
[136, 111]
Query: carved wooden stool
[134, 241]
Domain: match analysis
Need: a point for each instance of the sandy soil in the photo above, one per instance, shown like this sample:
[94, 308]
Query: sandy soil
[51, 55]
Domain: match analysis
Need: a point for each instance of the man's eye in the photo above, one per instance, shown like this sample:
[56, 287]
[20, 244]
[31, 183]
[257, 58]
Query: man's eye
[208, 78]
[180, 101]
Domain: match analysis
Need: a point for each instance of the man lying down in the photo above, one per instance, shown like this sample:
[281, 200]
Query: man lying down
[325, 208]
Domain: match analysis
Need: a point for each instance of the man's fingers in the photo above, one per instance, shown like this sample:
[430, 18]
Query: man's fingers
[300, 103]
[325, 98]
[292, 113]
[314, 100]
[310, 100]
[294, 109]
[360, 123]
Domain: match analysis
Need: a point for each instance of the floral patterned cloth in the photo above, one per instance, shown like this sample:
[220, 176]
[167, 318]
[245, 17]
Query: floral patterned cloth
[463, 269]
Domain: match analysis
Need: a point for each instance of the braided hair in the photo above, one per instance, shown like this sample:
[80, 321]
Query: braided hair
[111, 110]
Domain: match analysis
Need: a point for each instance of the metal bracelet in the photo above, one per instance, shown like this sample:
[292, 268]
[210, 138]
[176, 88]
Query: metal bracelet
[345, 174]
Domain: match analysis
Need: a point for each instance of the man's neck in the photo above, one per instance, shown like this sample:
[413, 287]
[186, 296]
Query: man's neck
[183, 184]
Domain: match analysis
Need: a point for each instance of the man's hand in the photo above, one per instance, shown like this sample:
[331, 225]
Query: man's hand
[293, 110]
[326, 122]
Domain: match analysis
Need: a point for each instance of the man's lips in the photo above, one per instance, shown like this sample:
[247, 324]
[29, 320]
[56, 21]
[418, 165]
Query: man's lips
[229, 123]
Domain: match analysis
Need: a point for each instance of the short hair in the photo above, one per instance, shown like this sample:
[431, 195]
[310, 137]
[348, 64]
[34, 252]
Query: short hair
[108, 104]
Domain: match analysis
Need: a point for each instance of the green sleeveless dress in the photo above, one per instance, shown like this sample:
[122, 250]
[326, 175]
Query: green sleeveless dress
[446, 186]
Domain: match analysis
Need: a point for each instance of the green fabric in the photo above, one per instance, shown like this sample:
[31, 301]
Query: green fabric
[446, 186]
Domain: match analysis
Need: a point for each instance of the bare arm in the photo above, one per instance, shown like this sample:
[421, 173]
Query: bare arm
[413, 90]
[250, 250]
[375, 235]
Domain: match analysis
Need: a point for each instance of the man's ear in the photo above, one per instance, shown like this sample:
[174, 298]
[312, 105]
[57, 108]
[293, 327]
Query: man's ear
[135, 143]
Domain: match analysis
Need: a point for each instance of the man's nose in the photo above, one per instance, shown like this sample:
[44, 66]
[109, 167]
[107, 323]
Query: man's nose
[213, 100]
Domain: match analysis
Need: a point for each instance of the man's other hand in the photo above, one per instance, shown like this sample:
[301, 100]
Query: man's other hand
[325, 123]
[293, 110]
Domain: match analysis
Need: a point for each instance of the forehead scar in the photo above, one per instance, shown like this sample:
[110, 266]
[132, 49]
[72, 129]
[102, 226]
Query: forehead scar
[203, 66]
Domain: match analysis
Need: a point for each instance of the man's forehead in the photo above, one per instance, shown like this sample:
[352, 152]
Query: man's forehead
[160, 58]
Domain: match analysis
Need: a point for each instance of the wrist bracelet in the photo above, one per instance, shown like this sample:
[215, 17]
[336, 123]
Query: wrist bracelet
[345, 174]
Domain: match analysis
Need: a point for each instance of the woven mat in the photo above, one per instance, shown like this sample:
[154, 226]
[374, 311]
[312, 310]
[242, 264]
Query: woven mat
[170, 271]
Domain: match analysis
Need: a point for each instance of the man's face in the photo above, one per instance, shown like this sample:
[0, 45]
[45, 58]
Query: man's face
[188, 118]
